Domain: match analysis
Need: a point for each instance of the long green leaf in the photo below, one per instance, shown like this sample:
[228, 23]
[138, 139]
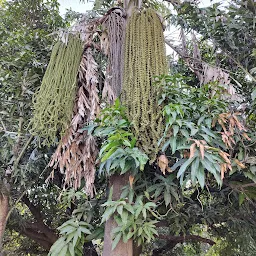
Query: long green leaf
[185, 166]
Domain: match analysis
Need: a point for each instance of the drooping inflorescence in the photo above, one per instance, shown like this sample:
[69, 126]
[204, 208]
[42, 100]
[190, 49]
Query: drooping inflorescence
[115, 26]
[53, 103]
[144, 59]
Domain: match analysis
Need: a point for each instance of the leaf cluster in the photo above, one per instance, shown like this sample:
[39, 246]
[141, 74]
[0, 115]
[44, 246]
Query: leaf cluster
[118, 152]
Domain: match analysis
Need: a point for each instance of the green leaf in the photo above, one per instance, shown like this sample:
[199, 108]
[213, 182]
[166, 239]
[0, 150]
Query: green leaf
[89, 128]
[241, 198]
[208, 165]
[120, 209]
[127, 143]
[129, 208]
[185, 166]
[124, 217]
[70, 236]
[144, 213]
[138, 211]
[179, 122]
[129, 235]
[98, 233]
[108, 154]
[179, 163]
[133, 142]
[167, 198]
[158, 191]
[57, 246]
[194, 169]
[67, 229]
[165, 146]
[85, 230]
[108, 146]
[71, 249]
[201, 177]
[173, 144]
[175, 130]
[208, 132]
[131, 195]
[149, 205]
[116, 240]
[184, 133]
[63, 250]
[107, 214]
[254, 94]
[110, 195]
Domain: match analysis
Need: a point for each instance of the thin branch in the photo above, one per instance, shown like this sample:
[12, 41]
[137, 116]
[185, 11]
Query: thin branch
[240, 66]
[14, 206]
[3, 125]
[23, 151]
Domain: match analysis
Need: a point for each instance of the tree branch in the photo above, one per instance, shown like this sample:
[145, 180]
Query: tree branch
[182, 239]
[23, 151]
[34, 210]
[40, 238]
[39, 225]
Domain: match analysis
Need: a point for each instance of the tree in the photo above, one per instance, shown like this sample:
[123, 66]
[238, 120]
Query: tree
[190, 179]
[202, 132]
[25, 49]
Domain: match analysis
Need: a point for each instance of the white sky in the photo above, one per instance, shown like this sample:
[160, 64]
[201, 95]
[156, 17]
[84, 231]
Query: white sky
[75, 5]
[78, 6]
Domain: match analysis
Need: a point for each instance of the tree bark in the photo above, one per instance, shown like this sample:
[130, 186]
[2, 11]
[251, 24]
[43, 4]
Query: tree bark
[4, 206]
[122, 249]
[38, 230]
[174, 240]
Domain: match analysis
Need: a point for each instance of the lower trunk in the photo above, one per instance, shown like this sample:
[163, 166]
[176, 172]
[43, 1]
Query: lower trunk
[122, 249]
[4, 207]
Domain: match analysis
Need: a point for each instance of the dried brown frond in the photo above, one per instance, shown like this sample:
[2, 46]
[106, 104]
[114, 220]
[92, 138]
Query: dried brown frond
[77, 152]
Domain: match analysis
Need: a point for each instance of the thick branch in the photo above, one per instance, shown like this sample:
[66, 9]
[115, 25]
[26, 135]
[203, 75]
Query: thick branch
[34, 210]
[39, 225]
[173, 240]
[40, 238]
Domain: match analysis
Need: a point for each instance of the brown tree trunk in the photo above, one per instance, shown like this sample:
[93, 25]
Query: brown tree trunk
[4, 207]
[122, 249]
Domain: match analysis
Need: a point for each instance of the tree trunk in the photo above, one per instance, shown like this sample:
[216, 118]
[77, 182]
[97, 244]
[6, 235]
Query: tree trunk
[4, 207]
[122, 249]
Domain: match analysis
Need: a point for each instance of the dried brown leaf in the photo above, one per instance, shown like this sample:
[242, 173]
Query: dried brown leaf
[131, 179]
[223, 169]
[241, 165]
[201, 147]
[225, 156]
[246, 136]
[192, 150]
[162, 163]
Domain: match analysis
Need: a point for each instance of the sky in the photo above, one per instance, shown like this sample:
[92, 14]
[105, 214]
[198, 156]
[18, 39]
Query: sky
[83, 6]
[77, 5]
